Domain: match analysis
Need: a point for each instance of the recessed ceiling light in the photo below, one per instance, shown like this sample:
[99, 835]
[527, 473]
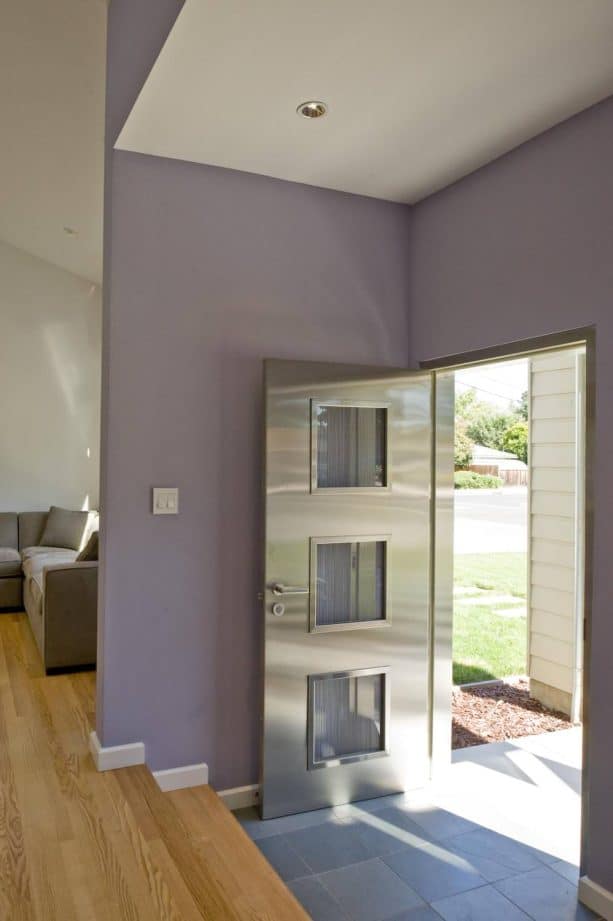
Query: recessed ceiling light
[312, 109]
[70, 231]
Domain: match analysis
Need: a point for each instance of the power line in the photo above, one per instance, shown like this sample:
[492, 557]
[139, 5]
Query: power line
[491, 393]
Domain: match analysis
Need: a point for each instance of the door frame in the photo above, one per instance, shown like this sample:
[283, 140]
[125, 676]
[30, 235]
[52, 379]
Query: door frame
[440, 619]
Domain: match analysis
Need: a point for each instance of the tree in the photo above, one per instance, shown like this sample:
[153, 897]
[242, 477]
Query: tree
[462, 447]
[490, 429]
[484, 424]
[520, 408]
[516, 440]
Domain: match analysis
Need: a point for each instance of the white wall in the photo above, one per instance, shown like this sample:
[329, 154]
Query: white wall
[50, 349]
[553, 528]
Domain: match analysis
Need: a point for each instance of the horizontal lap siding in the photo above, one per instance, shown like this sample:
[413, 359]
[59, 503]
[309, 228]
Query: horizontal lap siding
[552, 524]
[553, 431]
[556, 552]
[553, 456]
[556, 676]
[554, 479]
[549, 502]
[552, 600]
[546, 624]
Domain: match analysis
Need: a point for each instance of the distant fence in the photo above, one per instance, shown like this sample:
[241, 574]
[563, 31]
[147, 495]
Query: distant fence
[508, 477]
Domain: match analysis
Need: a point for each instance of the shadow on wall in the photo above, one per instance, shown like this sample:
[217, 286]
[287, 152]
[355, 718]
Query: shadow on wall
[51, 327]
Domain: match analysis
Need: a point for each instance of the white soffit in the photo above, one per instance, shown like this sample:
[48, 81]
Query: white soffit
[420, 92]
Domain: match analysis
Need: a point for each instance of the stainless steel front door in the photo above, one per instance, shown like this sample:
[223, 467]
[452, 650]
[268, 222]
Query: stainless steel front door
[347, 584]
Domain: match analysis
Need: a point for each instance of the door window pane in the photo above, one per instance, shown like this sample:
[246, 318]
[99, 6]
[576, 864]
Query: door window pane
[348, 717]
[350, 580]
[350, 446]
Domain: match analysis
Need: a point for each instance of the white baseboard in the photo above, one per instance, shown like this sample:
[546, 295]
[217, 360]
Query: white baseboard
[190, 775]
[240, 797]
[596, 897]
[116, 756]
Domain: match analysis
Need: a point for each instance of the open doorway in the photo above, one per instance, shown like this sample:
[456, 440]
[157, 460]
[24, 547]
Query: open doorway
[518, 547]
[518, 620]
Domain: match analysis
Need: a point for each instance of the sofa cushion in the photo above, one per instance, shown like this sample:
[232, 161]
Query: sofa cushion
[28, 552]
[9, 534]
[10, 562]
[31, 526]
[64, 528]
[89, 553]
[37, 562]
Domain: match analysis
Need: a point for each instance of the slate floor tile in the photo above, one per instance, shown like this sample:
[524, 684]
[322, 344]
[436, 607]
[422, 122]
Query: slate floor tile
[569, 871]
[399, 822]
[279, 852]
[371, 805]
[257, 828]
[379, 839]
[439, 823]
[370, 891]
[316, 900]
[329, 846]
[545, 895]
[484, 904]
[427, 913]
[434, 872]
[387, 831]
[495, 856]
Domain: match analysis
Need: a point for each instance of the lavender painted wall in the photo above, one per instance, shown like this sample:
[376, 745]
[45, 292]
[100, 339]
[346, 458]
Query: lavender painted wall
[523, 248]
[208, 272]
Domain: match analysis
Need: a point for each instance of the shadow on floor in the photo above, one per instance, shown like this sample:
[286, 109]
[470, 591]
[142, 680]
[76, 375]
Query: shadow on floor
[392, 859]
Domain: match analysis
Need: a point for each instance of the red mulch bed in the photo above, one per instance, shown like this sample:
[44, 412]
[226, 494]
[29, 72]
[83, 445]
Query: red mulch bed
[496, 712]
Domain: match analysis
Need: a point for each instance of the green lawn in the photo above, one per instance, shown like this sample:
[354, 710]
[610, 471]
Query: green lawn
[487, 644]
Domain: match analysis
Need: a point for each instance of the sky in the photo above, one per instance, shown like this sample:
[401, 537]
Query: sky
[500, 384]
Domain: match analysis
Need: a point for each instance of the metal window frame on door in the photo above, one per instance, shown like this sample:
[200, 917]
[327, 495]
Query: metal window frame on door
[385, 621]
[384, 751]
[348, 490]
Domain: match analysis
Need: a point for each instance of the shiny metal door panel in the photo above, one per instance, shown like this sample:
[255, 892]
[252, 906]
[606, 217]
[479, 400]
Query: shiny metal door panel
[298, 515]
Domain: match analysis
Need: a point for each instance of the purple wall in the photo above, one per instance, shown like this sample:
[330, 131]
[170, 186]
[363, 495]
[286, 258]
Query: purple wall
[522, 248]
[208, 272]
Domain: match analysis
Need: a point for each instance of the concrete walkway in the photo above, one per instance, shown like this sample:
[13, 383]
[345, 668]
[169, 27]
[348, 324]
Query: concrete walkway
[528, 789]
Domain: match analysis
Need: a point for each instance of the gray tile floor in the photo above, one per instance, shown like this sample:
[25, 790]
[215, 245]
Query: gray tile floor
[409, 858]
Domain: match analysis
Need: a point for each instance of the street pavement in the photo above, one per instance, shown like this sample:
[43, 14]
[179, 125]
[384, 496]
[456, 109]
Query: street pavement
[491, 520]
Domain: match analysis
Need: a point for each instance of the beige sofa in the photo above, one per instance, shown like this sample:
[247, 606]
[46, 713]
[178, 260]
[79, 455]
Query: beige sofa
[58, 592]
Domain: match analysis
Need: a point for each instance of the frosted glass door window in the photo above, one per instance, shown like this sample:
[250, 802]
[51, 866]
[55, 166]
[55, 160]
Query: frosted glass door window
[347, 716]
[349, 583]
[350, 447]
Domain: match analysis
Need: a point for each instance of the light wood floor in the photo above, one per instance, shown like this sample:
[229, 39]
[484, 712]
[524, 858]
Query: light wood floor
[76, 845]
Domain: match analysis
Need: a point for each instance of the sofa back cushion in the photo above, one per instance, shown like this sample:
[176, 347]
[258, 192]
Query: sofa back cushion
[9, 532]
[64, 528]
[31, 526]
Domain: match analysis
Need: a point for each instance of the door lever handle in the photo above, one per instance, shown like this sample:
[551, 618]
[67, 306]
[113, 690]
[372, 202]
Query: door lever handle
[279, 589]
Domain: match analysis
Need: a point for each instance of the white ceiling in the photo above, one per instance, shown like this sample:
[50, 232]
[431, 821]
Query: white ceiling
[52, 65]
[420, 92]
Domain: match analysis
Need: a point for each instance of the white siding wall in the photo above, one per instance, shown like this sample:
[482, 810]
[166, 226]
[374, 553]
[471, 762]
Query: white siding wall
[553, 469]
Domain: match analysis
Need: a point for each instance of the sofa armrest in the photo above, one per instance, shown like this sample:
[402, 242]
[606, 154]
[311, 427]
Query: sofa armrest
[70, 608]
[70, 567]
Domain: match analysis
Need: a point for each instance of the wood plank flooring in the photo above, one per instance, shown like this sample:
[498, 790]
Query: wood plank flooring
[76, 845]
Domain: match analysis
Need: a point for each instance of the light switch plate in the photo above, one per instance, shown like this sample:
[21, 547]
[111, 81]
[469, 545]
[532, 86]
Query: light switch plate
[165, 500]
